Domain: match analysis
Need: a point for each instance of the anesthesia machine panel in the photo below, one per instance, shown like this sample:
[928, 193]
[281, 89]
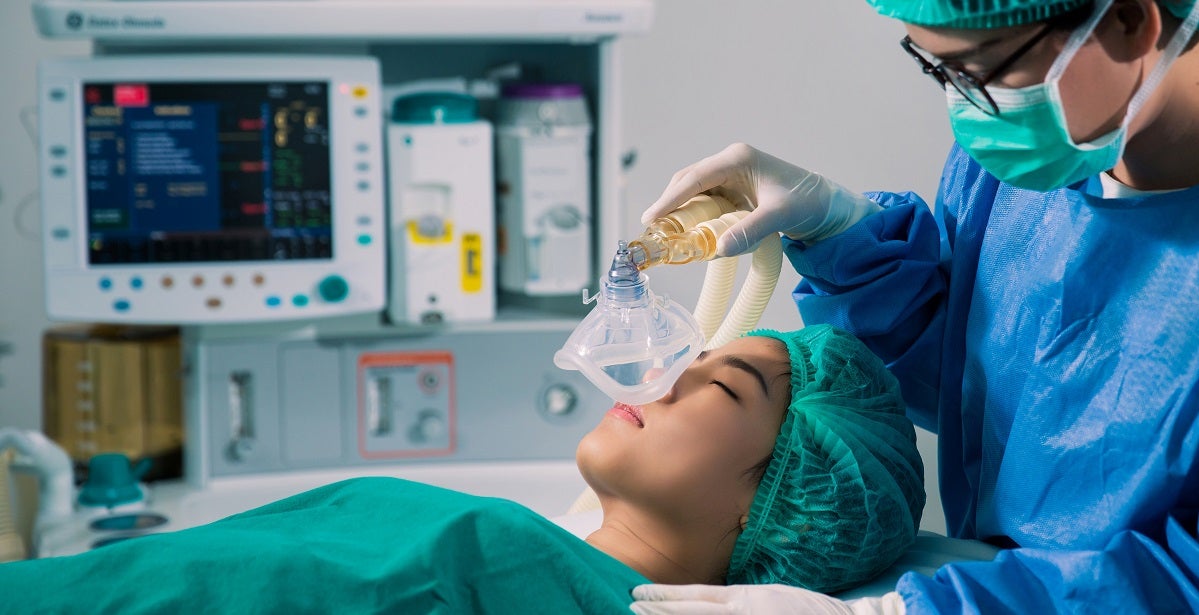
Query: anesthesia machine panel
[272, 405]
[211, 188]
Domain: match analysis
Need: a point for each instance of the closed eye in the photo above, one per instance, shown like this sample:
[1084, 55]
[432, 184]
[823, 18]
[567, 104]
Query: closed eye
[731, 393]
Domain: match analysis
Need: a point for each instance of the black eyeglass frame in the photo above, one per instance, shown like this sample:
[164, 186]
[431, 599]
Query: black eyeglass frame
[950, 73]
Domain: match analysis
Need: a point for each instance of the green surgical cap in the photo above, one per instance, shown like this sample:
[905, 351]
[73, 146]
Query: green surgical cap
[990, 13]
[841, 498]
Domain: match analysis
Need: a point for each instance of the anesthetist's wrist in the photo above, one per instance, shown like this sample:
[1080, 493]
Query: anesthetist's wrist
[842, 215]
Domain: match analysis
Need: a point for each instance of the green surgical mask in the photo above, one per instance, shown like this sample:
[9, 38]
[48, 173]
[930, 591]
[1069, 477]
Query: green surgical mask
[1028, 144]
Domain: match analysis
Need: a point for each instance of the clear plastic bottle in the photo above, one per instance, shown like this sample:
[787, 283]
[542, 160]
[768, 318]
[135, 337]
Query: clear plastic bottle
[686, 234]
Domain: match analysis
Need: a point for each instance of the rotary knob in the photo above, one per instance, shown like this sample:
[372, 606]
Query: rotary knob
[429, 427]
[560, 400]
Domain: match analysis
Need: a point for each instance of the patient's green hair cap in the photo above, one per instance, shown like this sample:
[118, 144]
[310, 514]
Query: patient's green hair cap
[841, 498]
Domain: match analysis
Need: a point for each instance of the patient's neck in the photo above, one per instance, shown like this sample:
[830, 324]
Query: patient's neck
[662, 550]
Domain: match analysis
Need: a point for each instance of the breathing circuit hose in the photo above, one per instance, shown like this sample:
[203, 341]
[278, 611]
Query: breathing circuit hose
[751, 301]
[12, 548]
[56, 485]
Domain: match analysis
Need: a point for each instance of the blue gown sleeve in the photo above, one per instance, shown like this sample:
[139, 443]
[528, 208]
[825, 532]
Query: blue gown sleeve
[883, 280]
[1131, 574]
[899, 280]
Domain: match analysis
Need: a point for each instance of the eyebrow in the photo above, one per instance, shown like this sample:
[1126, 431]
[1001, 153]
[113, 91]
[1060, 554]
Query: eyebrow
[957, 56]
[741, 364]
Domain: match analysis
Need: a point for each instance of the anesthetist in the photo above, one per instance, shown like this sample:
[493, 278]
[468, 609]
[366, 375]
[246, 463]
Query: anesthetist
[1041, 319]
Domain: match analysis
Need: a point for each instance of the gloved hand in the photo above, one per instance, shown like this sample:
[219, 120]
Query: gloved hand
[774, 599]
[784, 198]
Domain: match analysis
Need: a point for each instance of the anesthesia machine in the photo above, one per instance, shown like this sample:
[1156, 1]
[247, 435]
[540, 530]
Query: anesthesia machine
[371, 220]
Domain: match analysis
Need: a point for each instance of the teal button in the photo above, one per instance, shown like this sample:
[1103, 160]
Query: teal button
[273, 301]
[120, 305]
[364, 240]
[333, 288]
[105, 284]
[136, 283]
[299, 300]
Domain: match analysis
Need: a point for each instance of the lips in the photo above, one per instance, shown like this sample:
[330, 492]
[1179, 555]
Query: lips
[625, 412]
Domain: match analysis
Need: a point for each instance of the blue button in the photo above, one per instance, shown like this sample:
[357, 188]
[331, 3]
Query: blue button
[105, 284]
[136, 283]
[120, 305]
[299, 300]
[333, 288]
[364, 240]
[60, 232]
[273, 301]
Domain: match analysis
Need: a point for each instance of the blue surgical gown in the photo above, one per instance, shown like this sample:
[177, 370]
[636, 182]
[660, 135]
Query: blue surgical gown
[1051, 340]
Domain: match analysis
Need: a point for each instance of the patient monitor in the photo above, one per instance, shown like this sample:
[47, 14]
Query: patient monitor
[203, 189]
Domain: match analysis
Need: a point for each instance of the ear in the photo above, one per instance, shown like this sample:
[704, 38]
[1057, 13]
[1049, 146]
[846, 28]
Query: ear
[1133, 29]
[744, 522]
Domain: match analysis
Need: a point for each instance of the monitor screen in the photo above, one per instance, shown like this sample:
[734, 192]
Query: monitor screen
[211, 188]
[180, 172]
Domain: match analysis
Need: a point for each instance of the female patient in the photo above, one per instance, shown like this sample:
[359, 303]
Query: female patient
[779, 457]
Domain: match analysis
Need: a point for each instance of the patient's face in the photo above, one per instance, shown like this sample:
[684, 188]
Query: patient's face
[692, 449]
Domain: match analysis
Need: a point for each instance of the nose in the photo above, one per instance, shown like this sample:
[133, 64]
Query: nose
[692, 379]
[672, 393]
[652, 373]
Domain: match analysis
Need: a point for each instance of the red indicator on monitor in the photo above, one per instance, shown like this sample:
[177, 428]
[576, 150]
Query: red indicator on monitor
[92, 96]
[251, 123]
[131, 95]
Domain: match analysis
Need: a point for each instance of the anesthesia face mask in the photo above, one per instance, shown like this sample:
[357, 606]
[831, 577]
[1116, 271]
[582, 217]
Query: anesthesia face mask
[633, 346]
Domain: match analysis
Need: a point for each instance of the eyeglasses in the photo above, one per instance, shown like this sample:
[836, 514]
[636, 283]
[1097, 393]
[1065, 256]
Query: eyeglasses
[972, 87]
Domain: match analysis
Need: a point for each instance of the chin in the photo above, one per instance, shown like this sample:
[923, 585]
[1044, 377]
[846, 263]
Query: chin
[599, 459]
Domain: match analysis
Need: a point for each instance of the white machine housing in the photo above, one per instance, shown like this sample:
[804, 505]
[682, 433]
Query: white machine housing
[442, 222]
[545, 209]
[156, 20]
[330, 260]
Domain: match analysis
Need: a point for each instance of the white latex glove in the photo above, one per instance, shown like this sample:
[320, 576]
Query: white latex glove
[773, 599]
[784, 198]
